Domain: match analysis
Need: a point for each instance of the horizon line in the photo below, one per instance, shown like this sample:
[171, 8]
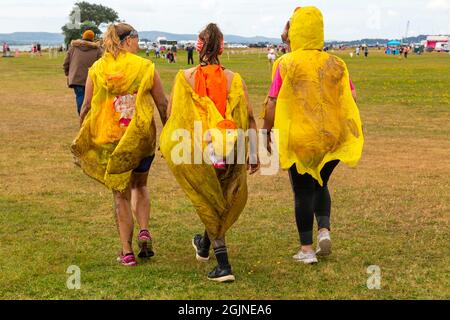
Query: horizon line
[236, 35]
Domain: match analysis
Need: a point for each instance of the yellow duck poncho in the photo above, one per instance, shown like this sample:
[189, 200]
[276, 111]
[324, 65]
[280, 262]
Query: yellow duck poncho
[316, 115]
[219, 198]
[107, 151]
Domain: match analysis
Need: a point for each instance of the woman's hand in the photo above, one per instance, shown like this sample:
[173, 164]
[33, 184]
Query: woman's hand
[269, 121]
[253, 167]
[269, 142]
[89, 92]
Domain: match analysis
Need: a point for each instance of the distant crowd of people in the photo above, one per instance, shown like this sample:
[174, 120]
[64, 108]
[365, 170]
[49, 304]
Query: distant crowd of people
[170, 54]
[398, 51]
[362, 49]
[6, 50]
[36, 50]
[273, 53]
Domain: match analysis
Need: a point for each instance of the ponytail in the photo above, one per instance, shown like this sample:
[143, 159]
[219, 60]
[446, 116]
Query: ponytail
[111, 38]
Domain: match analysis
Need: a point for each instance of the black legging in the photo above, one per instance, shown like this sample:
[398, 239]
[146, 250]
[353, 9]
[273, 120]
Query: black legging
[310, 199]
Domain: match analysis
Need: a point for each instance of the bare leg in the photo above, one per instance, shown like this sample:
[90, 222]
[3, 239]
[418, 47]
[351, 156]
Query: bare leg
[140, 199]
[124, 220]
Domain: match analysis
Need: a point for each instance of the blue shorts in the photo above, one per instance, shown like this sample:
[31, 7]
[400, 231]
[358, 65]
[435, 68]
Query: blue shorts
[145, 165]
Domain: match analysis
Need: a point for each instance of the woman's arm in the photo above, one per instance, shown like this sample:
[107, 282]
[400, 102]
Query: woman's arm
[160, 98]
[269, 119]
[88, 93]
[275, 88]
[252, 166]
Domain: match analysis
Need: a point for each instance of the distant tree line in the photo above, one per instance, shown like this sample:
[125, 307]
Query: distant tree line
[91, 17]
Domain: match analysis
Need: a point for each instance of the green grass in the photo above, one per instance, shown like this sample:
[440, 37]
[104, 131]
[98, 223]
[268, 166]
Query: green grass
[392, 211]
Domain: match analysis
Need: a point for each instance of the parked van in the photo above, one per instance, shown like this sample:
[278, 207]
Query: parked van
[442, 47]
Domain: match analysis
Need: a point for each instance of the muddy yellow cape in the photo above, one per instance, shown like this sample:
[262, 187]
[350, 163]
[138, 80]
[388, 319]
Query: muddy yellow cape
[316, 115]
[107, 151]
[219, 198]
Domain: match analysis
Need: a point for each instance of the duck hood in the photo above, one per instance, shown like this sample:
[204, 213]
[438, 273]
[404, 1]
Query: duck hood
[307, 31]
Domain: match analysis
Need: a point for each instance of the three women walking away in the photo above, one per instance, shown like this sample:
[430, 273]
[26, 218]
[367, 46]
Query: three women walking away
[310, 104]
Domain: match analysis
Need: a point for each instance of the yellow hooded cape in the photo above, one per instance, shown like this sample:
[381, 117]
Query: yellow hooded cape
[219, 198]
[106, 151]
[316, 115]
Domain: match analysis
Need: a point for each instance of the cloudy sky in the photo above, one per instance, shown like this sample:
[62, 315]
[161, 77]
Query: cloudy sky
[344, 19]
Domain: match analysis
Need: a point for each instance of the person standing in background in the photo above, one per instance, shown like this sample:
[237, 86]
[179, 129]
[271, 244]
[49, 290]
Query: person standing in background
[170, 57]
[405, 52]
[190, 51]
[80, 57]
[174, 53]
[271, 56]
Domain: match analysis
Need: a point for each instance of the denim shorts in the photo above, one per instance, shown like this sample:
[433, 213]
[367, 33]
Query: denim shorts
[145, 165]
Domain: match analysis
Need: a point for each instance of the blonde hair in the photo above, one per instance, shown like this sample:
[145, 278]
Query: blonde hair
[111, 39]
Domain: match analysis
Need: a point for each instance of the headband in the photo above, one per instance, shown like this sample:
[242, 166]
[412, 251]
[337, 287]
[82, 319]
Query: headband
[132, 33]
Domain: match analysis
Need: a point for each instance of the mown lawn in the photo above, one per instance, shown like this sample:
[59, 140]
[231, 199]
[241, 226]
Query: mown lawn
[393, 211]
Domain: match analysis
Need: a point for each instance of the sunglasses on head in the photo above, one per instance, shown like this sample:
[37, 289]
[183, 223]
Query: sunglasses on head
[131, 34]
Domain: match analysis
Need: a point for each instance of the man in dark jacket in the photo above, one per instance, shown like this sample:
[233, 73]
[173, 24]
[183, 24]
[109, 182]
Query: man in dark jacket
[80, 57]
[190, 50]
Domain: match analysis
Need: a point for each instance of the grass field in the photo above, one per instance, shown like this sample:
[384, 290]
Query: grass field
[392, 211]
